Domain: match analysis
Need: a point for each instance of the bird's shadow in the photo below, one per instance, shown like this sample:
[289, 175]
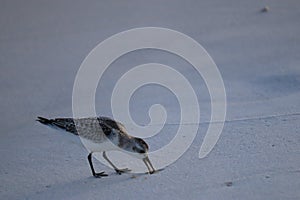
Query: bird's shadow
[84, 185]
[78, 187]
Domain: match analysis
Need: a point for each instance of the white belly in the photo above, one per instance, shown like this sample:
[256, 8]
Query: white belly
[98, 147]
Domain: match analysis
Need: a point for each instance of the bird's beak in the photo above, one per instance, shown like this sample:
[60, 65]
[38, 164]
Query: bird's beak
[149, 165]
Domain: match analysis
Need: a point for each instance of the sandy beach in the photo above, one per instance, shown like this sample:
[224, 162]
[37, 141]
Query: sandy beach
[255, 45]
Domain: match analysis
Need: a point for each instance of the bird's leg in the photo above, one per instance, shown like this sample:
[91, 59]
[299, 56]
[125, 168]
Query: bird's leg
[96, 175]
[149, 165]
[119, 171]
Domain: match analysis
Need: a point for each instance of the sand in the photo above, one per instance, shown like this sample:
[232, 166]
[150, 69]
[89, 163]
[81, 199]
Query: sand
[256, 50]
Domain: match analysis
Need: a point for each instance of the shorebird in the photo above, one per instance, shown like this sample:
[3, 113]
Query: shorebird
[101, 134]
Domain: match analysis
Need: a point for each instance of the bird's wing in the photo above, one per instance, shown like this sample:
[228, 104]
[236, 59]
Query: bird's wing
[85, 127]
[112, 124]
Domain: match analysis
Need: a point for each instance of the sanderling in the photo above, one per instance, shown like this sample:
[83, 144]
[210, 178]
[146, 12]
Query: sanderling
[101, 134]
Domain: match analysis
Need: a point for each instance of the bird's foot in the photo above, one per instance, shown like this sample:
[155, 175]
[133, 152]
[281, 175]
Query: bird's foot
[121, 171]
[99, 175]
[154, 171]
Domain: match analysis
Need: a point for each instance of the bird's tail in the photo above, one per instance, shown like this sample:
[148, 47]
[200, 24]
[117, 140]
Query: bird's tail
[44, 120]
[66, 124]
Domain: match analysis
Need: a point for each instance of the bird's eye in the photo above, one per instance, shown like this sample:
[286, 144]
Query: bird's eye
[138, 150]
[141, 151]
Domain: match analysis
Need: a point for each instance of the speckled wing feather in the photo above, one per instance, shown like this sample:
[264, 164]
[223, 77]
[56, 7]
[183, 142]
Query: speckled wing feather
[112, 124]
[96, 129]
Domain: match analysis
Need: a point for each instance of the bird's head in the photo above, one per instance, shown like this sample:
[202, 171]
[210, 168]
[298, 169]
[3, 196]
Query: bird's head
[139, 148]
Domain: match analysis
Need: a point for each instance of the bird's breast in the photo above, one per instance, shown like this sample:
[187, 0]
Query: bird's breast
[98, 146]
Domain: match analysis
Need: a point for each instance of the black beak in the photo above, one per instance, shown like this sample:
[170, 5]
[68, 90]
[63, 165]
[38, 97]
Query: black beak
[149, 165]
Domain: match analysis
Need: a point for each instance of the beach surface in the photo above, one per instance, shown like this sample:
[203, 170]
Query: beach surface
[43, 43]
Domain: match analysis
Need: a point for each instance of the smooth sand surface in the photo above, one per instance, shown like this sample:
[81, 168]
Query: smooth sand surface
[43, 43]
